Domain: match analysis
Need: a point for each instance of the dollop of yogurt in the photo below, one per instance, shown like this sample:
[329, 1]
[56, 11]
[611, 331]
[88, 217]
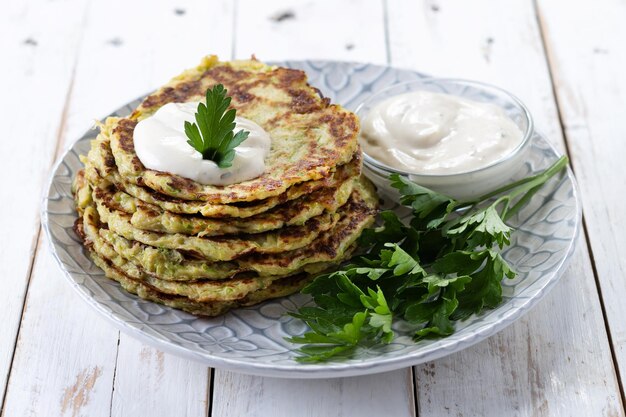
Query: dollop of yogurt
[161, 144]
[433, 133]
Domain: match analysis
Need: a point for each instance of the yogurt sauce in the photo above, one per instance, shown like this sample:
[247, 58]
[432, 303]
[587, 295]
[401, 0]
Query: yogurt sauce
[161, 145]
[433, 133]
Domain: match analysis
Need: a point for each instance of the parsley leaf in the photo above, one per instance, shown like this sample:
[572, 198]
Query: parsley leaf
[443, 267]
[430, 208]
[483, 228]
[212, 134]
[344, 317]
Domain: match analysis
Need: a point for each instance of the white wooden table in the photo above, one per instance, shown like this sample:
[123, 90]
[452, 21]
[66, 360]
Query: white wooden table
[66, 62]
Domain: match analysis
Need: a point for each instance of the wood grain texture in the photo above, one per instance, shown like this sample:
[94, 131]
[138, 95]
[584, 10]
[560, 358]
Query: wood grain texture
[149, 382]
[287, 30]
[324, 29]
[32, 63]
[587, 55]
[388, 394]
[556, 360]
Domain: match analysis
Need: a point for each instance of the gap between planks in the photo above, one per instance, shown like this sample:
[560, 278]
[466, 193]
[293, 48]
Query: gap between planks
[416, 410]
[117, 354]
[209, 392]
[413, 373]
[585, 231]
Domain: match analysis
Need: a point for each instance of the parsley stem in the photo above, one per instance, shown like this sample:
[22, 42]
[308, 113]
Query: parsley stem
[521, 203]
[527, 186]
[536, 180]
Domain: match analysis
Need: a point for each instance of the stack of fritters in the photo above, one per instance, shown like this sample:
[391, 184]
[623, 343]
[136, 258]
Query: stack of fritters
[206, 249]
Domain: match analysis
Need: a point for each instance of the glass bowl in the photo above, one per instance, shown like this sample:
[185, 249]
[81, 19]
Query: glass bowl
[467, 185]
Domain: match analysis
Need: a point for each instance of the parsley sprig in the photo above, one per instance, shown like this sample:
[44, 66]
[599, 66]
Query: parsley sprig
[212, 134]
[442, 267]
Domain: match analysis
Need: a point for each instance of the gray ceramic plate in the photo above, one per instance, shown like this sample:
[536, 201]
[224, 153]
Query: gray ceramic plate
[251, 340]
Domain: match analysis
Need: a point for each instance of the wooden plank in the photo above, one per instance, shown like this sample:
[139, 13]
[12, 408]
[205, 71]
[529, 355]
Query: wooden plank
[72, 370]
[150, 382]
[32, 63]
[372, 395]
[285, 30]
[556, 360]
[587, 57]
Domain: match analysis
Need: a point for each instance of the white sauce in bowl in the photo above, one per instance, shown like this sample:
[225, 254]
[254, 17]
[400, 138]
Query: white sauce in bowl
[161, 144]
[433, 133]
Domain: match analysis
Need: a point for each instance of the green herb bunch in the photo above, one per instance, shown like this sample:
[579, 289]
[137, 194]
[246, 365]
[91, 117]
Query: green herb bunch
[442, 267]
